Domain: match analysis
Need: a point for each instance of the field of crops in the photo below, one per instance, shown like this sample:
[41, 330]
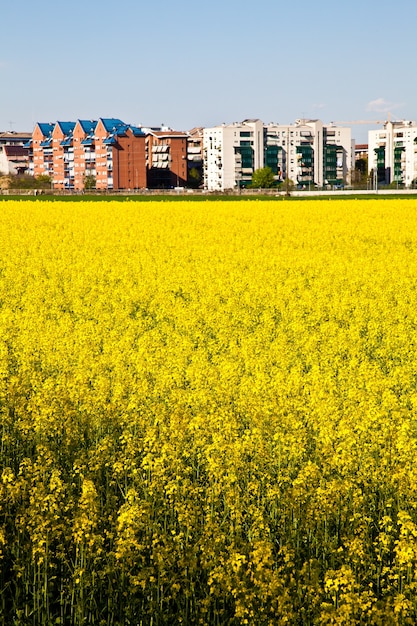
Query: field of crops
[208, 413]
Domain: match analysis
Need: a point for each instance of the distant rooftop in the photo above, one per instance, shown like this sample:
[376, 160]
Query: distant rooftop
[12, 134]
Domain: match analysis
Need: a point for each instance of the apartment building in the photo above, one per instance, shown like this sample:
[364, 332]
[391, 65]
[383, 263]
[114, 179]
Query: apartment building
[195, 156]
[109, 154]
[81, 153]
[14, 154]
[117, 155]
[392, 153]
[106, 154]
[40, 150]
[166, 157]
[62, 172]
[231, 153]
[307, 152]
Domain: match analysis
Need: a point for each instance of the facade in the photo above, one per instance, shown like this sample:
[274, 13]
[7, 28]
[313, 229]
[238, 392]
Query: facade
[308, 153]
[231, 153]
[40, 150]
[101, 154]
[361, 151]
[108, 154]
[392, 154]
[119, 153]
[195, 156]
[81, 152]
[166, 157]
[14, 153]
[62, 156]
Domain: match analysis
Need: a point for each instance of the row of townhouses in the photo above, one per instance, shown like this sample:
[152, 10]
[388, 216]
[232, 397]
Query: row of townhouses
[109, 154]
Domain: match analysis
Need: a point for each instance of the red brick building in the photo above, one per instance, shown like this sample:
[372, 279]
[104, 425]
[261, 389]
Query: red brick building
[166, 152]
[82, 141]
[62, 156]
[108, 154]
[120, 155]
[40, 155]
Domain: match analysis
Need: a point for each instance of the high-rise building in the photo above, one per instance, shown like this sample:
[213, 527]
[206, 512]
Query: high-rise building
[308, 153]
[231, 153]
[392, 153]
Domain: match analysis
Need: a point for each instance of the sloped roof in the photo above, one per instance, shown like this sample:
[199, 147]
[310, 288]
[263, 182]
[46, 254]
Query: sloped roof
[66, 127]
[13, 135]
[137, 132]
[110, 140]
[87, 125]
[120, 129]
[111, 123]
[46, 128]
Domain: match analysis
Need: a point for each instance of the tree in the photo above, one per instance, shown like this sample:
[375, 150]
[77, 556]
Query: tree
[27, 181]
[89, 181]
[263, 178]
[288, 185]
[360, 174]
[194, 178]
[43, 181]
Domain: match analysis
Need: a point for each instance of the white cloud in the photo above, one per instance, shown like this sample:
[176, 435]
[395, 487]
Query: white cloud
[380, 105]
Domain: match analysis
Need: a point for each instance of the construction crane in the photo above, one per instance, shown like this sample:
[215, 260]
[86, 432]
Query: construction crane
[368, 122]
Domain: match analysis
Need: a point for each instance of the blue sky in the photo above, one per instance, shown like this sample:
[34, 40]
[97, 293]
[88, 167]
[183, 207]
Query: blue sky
[187, 63]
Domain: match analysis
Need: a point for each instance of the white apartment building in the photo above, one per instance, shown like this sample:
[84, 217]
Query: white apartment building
[392, 153]
[310, 153]
[307, 152]
[231, 153]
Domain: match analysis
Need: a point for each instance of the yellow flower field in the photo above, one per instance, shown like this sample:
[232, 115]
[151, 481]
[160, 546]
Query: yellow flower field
[208, 412]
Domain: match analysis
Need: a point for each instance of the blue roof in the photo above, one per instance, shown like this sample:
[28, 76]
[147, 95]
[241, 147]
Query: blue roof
[137, 132]
[88, 141]
[111, 123]
[46, 143]
[66, 127]
[120, 130]
[88, 125]
[67, 142]
[110, 141]
[46, 128]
